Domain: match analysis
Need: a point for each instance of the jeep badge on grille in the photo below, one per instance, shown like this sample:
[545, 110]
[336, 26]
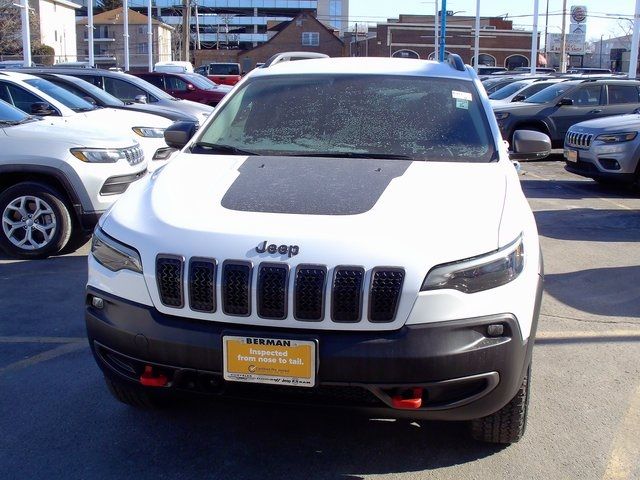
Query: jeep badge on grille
[289, 250]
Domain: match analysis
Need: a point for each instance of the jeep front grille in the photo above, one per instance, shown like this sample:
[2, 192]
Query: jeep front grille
[236, 288]
[134, 155]
[347, 288]
[578, 140]
[169, 271]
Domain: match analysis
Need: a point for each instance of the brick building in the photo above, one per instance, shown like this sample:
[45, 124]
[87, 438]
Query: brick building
[412, 36]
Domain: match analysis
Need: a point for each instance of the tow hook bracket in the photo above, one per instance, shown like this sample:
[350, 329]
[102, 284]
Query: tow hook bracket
[149, 378]
[408, 400]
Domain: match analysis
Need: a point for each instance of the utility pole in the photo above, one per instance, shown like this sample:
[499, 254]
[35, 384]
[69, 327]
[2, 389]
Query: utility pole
[92, 60]
[149, 36]
[546, 32]
[435, 33]
[476, 40]
[125, 19]
[563, 43]
[197, 26]
[534, 39]
[601, 50]
[633, 61]
[186, 29]
[26, 33]
[443, 29]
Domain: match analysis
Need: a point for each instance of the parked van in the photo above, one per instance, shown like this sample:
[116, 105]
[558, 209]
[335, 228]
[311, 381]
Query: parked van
[173, 67]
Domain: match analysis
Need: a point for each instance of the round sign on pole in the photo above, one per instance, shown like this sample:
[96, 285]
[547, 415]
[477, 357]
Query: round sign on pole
[578, 13]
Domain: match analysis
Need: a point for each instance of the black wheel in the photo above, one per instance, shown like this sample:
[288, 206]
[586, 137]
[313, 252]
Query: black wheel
[509, 423]
[35, 221]
[136, 397]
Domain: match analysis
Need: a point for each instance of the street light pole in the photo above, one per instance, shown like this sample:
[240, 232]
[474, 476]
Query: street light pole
[534, 38]
[150, 37]
[443, 29]
[125, 19]
[563, 43]
[92, 60]
[26, 33]
[476, 41]
[435, 33]
[635, 40]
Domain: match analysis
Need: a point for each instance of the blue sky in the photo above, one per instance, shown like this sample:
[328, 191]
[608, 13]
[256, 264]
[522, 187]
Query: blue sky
[601, 20]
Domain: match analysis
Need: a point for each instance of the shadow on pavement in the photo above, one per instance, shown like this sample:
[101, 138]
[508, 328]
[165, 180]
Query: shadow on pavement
[601, 291]
[587, 224]
[574, 189]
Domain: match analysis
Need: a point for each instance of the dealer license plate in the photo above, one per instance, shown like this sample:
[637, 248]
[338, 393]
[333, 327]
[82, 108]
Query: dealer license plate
[571, 155]
[275, 361]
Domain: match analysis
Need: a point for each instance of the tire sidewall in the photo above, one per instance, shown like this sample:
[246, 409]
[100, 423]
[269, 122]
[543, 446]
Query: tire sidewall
[60, 210]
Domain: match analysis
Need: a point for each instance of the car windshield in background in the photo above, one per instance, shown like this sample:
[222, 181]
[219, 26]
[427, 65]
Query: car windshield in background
[549, 93]
[420, 118]
[60, 94]
[224, 69]
[10, 114]
[507, 91]
[199, 81]
[149, 87]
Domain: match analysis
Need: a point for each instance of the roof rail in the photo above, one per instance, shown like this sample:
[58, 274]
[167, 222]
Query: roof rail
[291, 56]
[456, 62]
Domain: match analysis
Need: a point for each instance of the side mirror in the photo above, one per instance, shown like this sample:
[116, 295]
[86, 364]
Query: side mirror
[518, 98]
[140, 99]
[530, 145]
[190, 87]
[565, 101]
[42, 109]
[179, 133]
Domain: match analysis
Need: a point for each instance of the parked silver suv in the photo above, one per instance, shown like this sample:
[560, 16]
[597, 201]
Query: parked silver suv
[606, 149]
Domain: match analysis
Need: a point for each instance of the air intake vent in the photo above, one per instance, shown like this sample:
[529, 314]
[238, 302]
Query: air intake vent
[236, 288]
[346, 303]
[384, 296]
[309, 286]
[202, 285]
[272, 291]
[169, 276]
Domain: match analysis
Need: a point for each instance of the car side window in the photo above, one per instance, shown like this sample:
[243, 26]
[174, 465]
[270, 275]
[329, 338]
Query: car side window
[175, 83]
[586, 96]
[156, 80]
[21, 98]
[619, 94]
[125, 91]
[201, 70]
[94, 79]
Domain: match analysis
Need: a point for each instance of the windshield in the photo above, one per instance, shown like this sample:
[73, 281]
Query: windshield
[507, 91]
[9, 113]
[420, 118]
[549, 93]
[60, 94]
[199, 81]
[224, 69]
[89, 89]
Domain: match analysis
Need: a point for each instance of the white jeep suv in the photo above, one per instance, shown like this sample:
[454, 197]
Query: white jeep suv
[341, 231]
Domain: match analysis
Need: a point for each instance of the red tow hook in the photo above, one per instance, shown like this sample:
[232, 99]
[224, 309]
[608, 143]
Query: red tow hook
[151, 379]
[411, 403]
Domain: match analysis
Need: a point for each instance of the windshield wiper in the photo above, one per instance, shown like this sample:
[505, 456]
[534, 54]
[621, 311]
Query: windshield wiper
[28, 119]
[384, 156]
[205, 147]
[83, 109]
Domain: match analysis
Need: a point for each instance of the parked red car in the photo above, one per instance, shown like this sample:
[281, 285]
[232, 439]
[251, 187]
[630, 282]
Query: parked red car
[188, 86]
[223, 73]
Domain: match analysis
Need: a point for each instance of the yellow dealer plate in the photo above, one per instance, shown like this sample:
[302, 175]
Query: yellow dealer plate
[276, 361]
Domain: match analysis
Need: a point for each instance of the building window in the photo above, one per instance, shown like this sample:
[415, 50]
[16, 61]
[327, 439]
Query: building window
[310, 39]
[142, 30]
[143, 48]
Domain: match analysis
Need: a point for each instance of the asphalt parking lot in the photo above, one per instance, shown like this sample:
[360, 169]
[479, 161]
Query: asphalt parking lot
[57, 419]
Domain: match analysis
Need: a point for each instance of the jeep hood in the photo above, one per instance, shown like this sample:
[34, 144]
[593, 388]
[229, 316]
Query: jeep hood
[337, 211]
[617, 123]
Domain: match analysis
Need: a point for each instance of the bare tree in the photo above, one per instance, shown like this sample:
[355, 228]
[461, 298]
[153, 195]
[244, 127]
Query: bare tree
[11, 28]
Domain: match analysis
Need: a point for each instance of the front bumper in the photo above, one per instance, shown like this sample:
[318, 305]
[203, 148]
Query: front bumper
[617, 162]
[464, 372]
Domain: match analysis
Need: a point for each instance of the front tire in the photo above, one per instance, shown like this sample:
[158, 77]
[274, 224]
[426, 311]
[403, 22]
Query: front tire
[508, 424]
[35, 221]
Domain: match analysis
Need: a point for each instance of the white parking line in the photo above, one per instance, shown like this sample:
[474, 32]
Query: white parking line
[42, 339]
[44, 356]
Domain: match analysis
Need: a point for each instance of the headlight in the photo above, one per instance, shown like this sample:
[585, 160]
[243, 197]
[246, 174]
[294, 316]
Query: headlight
[149, 132]
[114, 255]
[479, 273]
[98, 155]
[617, 137]
[501, 115]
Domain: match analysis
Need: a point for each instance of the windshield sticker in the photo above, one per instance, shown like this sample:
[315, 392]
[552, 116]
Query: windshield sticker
[461, 95]
[462, 103]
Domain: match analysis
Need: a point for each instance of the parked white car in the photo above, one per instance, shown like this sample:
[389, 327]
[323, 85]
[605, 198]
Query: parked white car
[37, 96]
[351, 227]
[55, 180]
[521, 90]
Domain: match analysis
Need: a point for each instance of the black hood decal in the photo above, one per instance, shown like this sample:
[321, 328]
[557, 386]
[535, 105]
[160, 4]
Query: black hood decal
[311, 186]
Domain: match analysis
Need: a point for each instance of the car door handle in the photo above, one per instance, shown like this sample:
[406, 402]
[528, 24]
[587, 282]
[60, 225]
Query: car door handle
[596, 110]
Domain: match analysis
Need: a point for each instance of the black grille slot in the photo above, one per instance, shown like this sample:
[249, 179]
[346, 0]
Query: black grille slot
[272, 291]
[384, 296]
[346, 304]
[236, 288]
[169, 271]
[202, 285]
[309, 293]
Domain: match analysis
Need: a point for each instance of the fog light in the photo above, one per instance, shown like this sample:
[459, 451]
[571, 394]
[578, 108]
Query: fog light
[495, 330]
[609, 164]
[97, 302]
